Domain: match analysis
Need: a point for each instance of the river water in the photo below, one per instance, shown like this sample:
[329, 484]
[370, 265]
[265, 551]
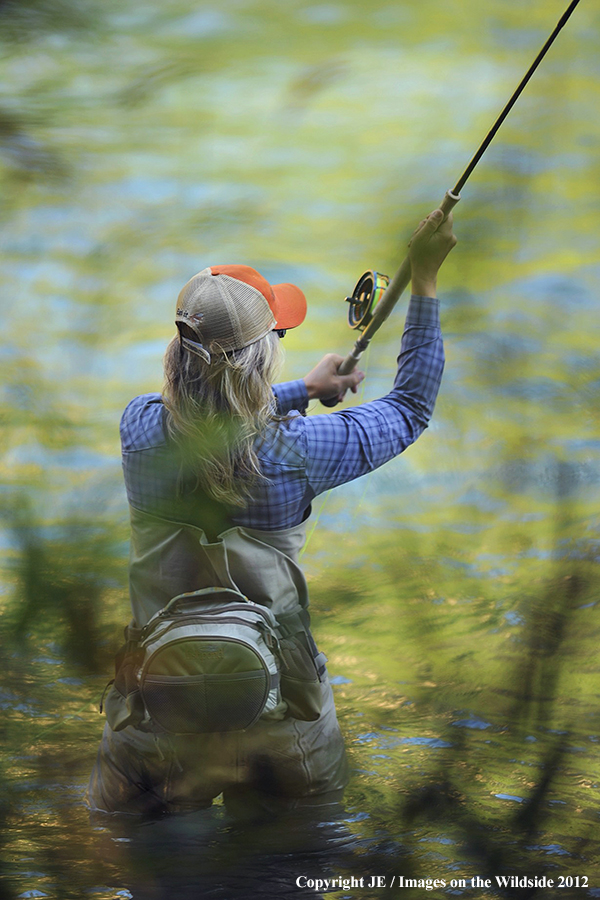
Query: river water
[455, 591]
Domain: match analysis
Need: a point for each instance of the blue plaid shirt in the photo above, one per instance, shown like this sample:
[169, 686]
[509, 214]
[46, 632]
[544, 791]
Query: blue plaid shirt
[300, 456]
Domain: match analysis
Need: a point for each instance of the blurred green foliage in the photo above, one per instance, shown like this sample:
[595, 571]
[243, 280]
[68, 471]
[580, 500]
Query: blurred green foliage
[454, 591]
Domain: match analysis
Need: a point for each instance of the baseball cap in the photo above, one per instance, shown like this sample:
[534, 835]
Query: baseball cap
[230, 307]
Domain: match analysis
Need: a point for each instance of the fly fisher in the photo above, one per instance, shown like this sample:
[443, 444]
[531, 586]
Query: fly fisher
[220, 688]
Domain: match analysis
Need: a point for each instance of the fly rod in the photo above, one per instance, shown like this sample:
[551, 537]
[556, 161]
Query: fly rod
[375, 295]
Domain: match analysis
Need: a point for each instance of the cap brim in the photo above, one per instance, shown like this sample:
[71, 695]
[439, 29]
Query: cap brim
[290, 306]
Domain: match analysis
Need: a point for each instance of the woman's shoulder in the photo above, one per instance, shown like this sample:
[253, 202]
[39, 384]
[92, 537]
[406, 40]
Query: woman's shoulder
[284, 442]
[142, 422]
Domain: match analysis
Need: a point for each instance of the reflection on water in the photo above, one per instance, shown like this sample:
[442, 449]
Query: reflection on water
[455, 590]
[469, 707]
[207, 854]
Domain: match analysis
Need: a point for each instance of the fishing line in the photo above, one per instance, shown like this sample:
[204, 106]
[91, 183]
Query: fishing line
[315, 523]
[64, 721]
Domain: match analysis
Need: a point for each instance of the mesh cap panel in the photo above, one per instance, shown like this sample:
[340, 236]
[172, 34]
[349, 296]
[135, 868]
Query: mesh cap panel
[224, 311]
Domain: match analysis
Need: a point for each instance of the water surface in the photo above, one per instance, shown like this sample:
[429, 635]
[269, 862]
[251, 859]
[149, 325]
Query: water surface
[455, 590]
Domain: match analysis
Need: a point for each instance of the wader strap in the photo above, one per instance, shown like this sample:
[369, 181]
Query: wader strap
[299, 623]
[320, 666]
[132, 633]
[292, 623]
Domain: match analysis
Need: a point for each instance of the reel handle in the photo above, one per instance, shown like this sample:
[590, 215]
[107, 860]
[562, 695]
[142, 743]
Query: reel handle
[381, 312]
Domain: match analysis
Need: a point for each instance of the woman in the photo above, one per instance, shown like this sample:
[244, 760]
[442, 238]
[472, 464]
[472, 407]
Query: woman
[220, 478]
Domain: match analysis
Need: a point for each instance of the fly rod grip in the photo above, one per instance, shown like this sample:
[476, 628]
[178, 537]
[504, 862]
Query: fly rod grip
[383, 309]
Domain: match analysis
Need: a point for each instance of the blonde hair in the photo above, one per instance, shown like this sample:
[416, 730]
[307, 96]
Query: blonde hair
[216, 410]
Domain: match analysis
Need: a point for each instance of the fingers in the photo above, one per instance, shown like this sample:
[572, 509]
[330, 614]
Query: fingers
[446, 225]
[446, 234]
[429, 225]
[434, 219]
[435, 223]
[325, 382]
[350, 382]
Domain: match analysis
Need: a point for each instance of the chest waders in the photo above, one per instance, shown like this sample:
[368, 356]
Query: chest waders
[221, 632]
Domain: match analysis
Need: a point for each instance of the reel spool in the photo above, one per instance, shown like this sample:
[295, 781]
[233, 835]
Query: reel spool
[366, 295]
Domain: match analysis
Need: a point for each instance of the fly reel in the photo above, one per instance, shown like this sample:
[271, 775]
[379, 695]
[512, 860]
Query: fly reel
[365, 297]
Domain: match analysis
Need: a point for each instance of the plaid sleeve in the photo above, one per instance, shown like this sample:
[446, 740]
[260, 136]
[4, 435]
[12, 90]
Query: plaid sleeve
[291, 395]
[343, 445]
[142, 423]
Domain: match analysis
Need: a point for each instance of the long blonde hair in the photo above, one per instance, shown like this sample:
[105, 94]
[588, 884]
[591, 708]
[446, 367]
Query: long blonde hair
[216, 410]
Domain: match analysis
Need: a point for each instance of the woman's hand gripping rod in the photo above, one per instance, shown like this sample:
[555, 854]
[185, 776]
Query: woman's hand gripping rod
[389, 299]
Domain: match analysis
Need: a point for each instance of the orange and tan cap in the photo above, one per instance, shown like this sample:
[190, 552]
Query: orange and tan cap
[230, 307]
